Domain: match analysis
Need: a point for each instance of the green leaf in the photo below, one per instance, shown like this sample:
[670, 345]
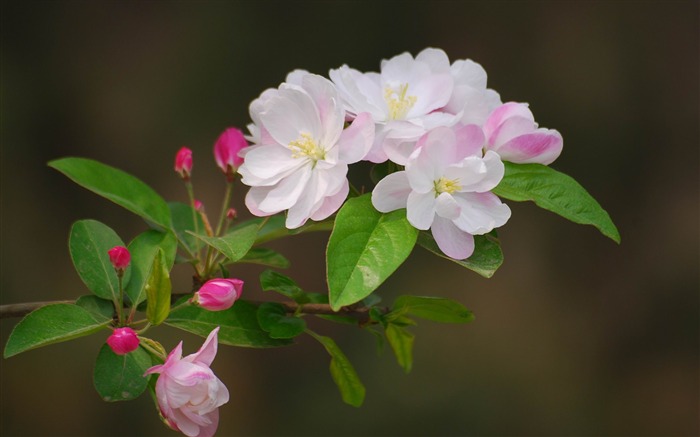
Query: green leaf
[239, 324]
[183, 224]
[401, 342]
[235, 244]
[273, 318]
[121, 188]
[51, 324]
[351, 388]
[102, 310]
[485, 260]
[158, 290]
[284, 285]
[437, 309]
[144, 249]
[265, 257]
[120, 377]
[88, 244]
[556, 192]
[364, 249]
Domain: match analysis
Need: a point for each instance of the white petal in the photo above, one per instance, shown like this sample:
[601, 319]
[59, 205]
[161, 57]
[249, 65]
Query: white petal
[287, 191]
[420, 209]
[453, 242]
[431, 93]
[253, 198]
[391, 193]
[446, 206]
[329, 107]
[266, 165]
[300, 212]
[289, 114]
[331, 204]
[481, 212]
[435, 58]
[357, 140]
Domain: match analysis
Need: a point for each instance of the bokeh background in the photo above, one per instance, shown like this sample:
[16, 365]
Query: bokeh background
[574, 335]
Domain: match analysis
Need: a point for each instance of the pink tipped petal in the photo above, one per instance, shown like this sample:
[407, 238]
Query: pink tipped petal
[391, 193]
[399, 150]
[509, 129]
[434, 92]
[356, 141]
[328, 104]
[503, 112]
[446, 206]
[287, 191]
[452, 241]
[254, 197]
[470, 140]
[542, 147]
[481, 212]
[420, 210]
[206, 354]
[331, 204]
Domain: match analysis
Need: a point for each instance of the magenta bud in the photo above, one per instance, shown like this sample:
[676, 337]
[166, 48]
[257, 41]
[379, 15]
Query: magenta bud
[218, 294]
[231, 214]
[226, 151]
[123, 340]
[183, 163]
[120, 257]
[199, 206]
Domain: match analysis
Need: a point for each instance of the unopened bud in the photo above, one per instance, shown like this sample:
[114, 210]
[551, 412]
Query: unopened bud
[226, 150]
[183, 163]
[123, 340]
[120, 257]
[199, 206]
[231, 214]
[218, 294]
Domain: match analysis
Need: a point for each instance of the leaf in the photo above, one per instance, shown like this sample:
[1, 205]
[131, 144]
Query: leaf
[158, 290]
[51, 324]
[485, 260]
[235, 244]
[556, 192]
[437, 309]
[364, 249]
[121, 377]
[88, 243]
[351, 388]
[265, 257]
[239, 324]
[121, 188]
[275, 228]
[102, 310]
[273, 318]
[143, 250]
[401, 342]
[284, 285]
[182, 222]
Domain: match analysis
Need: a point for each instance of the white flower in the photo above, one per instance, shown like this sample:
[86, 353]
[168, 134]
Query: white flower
[301, 154]
[403, 100]
[446, 188]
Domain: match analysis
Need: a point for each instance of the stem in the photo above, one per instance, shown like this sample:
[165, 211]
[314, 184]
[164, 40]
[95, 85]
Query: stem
[120, 307]
[190, 194]
[224, 207]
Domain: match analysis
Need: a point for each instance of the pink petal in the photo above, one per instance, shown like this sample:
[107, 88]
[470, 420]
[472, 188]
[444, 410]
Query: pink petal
[542, 146]
[327, 102]
[510, 128]
[452, 241]
[207, 352]
[331, 204]
[507, 110]
[470, 140]
[356, 141]
[391, 193]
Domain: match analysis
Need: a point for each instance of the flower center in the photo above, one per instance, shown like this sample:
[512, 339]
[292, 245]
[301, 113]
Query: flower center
[444, 185]
[398, 102]
[306, 147]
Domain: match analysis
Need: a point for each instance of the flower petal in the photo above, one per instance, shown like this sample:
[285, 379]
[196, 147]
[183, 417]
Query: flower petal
[327, 102]
[289, 114]
[451, 240]
[287, 191]
[542, 146]
[266, 165]
[356, 141]
[420, 209]
[206, 354]
[507, 110]
[446, 206]
[481, 212]
[391, 193]
[331, 204]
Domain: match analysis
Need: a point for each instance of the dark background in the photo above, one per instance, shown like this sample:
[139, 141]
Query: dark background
[574, 335]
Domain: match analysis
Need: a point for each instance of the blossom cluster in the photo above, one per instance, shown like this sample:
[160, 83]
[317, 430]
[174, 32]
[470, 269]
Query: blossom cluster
[438, 121]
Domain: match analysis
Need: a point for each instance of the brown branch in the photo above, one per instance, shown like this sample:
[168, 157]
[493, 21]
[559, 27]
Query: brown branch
[22, 309]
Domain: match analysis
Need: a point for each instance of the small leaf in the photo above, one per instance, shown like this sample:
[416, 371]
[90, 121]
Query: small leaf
[364, 249]
[235, 244]
[158, 290]
[144, 249]
[273, 319]
[556, 192]
[120, 377]
[351, 388]
[183, 224]
[265, 257]
[436, 309]
[284, 285]
[239, 324]
[401, 342]
[121, 188]
[485, 260]
[51, 324]
[88, 243]
[102, 310]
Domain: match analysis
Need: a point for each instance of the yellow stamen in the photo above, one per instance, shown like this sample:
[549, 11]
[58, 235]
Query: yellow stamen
[398, 102]
[449, 186]
[306, 147]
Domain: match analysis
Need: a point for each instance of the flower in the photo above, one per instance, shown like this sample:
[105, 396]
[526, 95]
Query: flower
[404, 99]
[218, 294]
[120, 257]
[189, 394]
[300, 160]
[226, 150]
[511, 132]
[470, 97]
[445, 188]
[183, 163]
[123, 340]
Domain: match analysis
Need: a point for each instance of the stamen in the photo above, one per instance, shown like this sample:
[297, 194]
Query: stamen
[398, 102]
[444, 185]
[306, 147]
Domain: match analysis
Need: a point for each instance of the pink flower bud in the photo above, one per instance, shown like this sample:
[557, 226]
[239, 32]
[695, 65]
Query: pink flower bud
[199, 206]
[123, 340]
[218, 294]
[120, 257]
[231, 214]
[183, 163]
[226, 149]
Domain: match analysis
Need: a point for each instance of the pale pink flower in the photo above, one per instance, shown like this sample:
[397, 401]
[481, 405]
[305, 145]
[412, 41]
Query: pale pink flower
[300, 160]
[446, 188]
[189, 394]
[404, 99]
[227, 149]
[218, 294]
[470, 97]
[123, 340]
[183, 163]
[120, 257]
[511, 132]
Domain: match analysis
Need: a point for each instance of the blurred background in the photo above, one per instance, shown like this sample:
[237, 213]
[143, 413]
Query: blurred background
[574, 335]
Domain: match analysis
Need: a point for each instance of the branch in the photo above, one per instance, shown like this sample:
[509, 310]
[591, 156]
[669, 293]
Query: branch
[22, 309]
